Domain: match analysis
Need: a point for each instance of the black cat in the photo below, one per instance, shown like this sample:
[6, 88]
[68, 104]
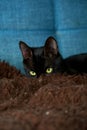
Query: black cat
[47, 59]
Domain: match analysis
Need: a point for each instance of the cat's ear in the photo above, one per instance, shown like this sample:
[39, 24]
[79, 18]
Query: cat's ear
[51, 48]
[26, 50]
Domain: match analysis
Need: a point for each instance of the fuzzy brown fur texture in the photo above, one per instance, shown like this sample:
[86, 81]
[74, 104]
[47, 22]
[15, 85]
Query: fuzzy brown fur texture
[56, 102]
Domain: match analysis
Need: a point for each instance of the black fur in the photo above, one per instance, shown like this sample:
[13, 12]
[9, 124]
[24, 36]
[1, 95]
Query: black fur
[40, 58]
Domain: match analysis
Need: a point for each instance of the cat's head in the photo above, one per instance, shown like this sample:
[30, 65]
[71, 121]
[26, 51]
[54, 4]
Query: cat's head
[40, 60]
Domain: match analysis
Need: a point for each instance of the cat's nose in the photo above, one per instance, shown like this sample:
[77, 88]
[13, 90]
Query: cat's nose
[38, 76]
[40, 79]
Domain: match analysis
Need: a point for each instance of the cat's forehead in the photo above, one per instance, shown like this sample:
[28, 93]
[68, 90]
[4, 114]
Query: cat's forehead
[38, 51]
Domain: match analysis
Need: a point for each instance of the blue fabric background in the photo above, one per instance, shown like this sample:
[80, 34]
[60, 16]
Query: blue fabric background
[71, 26]
[33, 21]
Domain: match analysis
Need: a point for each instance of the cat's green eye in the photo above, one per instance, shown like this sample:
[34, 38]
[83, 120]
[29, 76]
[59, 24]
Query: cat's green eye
[49, 70]
[32, 73]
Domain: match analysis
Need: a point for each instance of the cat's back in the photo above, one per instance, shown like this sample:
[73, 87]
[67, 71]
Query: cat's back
[80, 58]
[77, 63]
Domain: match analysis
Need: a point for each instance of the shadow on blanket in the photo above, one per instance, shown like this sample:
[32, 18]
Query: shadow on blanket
[47, 103]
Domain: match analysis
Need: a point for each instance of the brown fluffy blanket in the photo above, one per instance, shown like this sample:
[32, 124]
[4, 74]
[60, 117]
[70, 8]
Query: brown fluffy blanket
[57, 102]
